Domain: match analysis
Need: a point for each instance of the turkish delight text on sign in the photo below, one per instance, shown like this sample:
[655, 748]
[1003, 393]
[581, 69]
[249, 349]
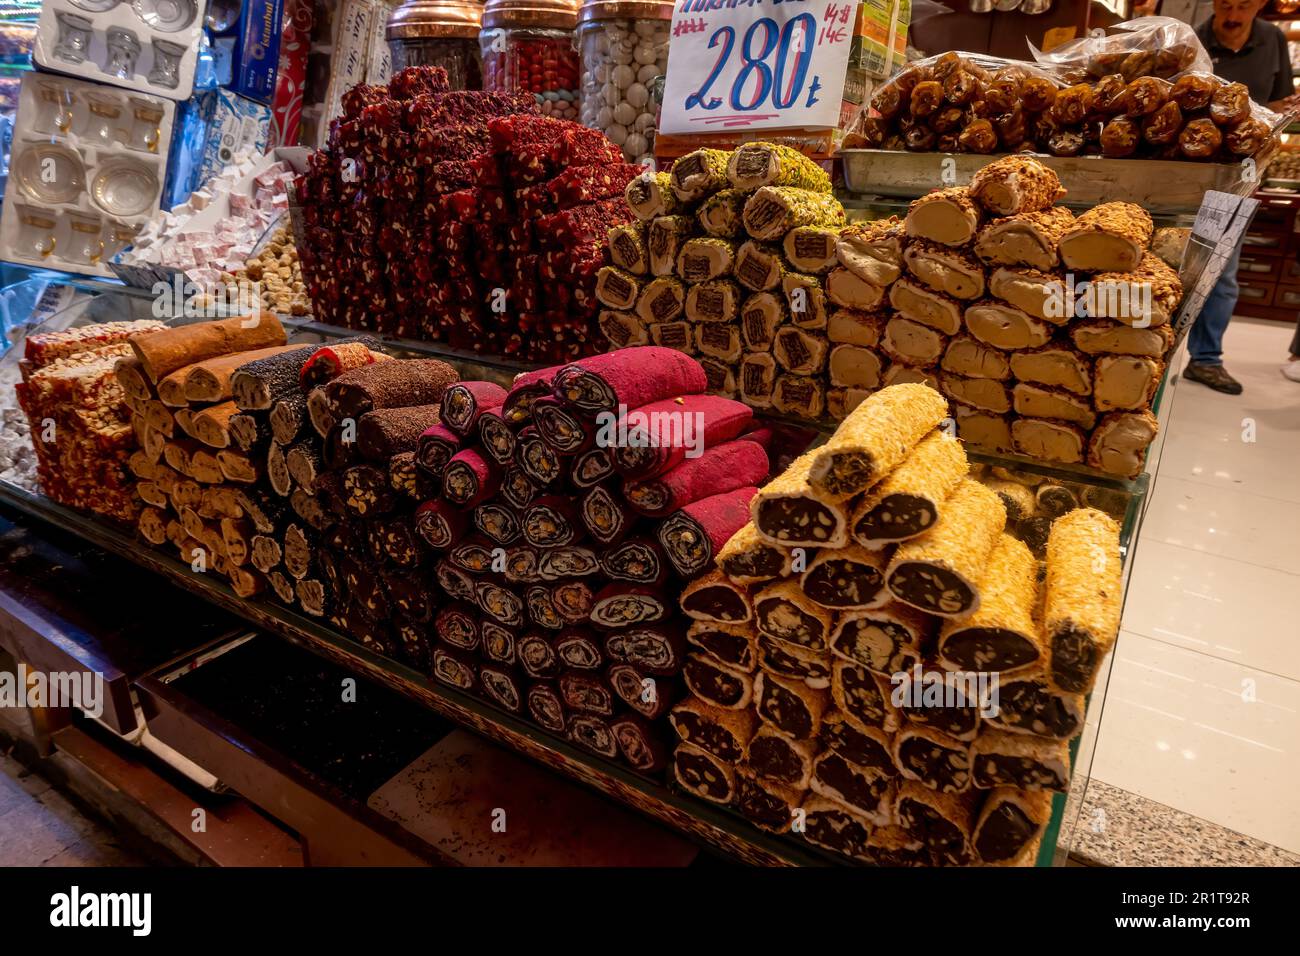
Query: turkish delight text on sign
[756, 64]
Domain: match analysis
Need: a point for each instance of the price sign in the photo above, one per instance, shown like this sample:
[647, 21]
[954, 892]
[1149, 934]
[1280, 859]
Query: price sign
[756, 64]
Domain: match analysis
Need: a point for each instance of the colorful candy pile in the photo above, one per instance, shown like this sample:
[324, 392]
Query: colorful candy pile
[460, 217]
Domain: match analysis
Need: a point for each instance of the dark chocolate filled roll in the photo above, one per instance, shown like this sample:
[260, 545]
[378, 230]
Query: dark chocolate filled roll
[723, 733]
[933, 758]
[792, 660]
[1009, 822]
[717, 684]
[765, 802]
[783, 611]
[417, 648]
[732, 644]
[409, 595]
[942, 821]
[945, 701]
[1029, 704]
[366, 492]
[775, 756]
[831, 825]
[790, 704]
[846, 578]
[861, 744]
[864, 789]
[714, 598]
[546, 708]
[389, 385]
[703, 774]
[885, 640]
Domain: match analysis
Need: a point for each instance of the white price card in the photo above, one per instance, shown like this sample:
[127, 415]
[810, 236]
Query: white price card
[756, 64]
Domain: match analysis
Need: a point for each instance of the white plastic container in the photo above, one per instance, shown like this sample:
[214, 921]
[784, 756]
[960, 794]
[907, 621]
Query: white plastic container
[146, 45]
[86, 171]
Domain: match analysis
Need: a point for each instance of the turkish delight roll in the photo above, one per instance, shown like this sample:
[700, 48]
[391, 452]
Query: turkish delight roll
[537, 655]
[712, 597]
[1119, 442]
[720, 214]
[627, 247]
[783, 611]
[758, 266]
[463, 402]
[455, 668]
[1025, 239]
[791, 705]
[586, 693]
[811, 249]
[1009, 823]
[713, 302]
[591, 468]
[440, 524]
[606, 517]
[867, 790]
[552, 521]
[650, 195]
[800, 352]
[502, 686]
[730, 643]
[163, 351]
[747, 559]
[470, 479]
[1015, 184]
[908, 502]
[874, 439]
[330, 361]
[1002, 635]
[692, 536]
[754, 165]
[209, 380]
[944, 822]
[772, 211]
[639, 742]
[546, 707]
[630, 378]
[933, 758]
[775, 756]
[789, 512]
[620, 604]
[661, 302]
[699, 173]
[653, 438]
[1110, 237]
[701, 773]
[793, 660]
[526, 388]
[850, 578]
[864, 696]
[617, 289]
[946, 216]
[945, 270]
[886, 640]
[256, 385]
[593, 732]
[1124, 382]
[1018, 760]
[1082, 596]
[833, 826]
[723, 732]
[389, 385]
[717, 683]
[766, 802]
[859, 743]
[639, 560]
[800, 395]
[664, 239]
[940, 571]
[539, 461]
[872, 251]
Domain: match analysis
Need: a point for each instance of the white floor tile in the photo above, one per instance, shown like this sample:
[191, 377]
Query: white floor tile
[1211, 738]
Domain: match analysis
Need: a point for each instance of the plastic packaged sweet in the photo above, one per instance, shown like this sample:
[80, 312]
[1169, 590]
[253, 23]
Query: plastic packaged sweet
[1145, 46]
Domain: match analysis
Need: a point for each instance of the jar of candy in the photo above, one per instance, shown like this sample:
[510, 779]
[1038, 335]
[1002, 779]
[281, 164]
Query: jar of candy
[624, 48]
[438, 33]
[528, 46]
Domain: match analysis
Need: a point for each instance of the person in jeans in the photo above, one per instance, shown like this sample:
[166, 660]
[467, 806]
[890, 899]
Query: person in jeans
[1254, 52]
[1292, 368]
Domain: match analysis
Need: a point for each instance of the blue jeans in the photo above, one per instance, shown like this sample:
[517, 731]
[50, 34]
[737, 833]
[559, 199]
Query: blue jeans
[1205, 339]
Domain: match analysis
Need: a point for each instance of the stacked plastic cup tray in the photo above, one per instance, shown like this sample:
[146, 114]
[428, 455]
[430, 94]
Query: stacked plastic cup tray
[85, 172]
[148, 45]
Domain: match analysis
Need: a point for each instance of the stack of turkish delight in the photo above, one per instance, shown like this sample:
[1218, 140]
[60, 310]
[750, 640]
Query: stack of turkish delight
[462, 217]
[80, 423]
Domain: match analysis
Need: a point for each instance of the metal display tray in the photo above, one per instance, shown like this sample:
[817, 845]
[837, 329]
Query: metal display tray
[1162, 187]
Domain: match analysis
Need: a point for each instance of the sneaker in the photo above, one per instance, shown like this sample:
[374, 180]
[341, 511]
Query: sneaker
[1213, 376]
[1292, 370]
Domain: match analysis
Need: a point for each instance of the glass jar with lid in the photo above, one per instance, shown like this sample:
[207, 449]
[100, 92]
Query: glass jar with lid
[438, 33]
[624, 50]
[528, 46]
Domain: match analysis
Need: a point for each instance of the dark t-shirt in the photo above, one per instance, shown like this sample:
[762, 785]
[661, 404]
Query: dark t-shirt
[1263, 64]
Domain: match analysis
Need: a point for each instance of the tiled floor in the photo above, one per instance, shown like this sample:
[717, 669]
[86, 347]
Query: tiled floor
[40, 827]
[1202, 712]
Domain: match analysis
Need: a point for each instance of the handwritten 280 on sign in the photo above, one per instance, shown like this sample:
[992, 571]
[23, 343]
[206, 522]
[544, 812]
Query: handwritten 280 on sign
[756, 63]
